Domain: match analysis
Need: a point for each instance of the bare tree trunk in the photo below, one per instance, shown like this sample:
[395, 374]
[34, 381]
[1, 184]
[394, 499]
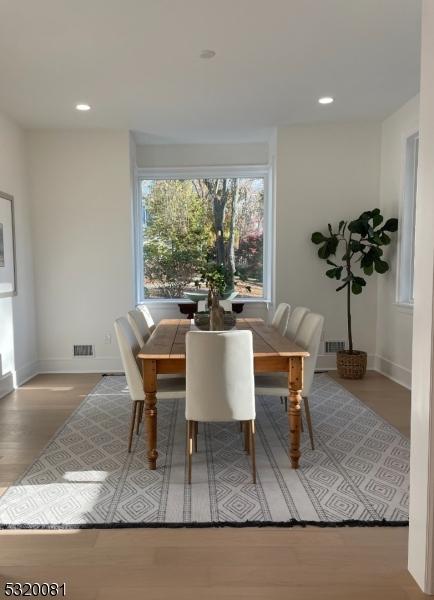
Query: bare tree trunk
[230, 249]
[219, 197]
[219, 215]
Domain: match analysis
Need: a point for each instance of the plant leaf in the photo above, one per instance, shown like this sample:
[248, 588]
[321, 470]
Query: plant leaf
[356, 246]
[324, 251]
[331, 273]
[359, 281]
[357, 226]
[356, 288]
[390, 225]
[375, 239]
[368, 269]
[381, 266]
[317, 237]
[377, 219]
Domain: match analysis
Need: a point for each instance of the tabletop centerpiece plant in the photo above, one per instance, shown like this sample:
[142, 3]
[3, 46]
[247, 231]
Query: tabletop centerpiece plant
[217, 278]
[362, 240]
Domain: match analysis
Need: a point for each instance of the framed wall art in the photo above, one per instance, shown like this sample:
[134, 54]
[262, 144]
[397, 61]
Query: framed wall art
[8, 272]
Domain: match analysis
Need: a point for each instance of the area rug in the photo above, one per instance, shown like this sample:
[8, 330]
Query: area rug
[357, 474]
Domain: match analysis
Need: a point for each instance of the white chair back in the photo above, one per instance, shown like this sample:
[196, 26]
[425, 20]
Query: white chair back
[148, 317]
[309, 338]
[139, 325]
[129, 348]
[220, 383]
[280, 318]
[295, 319]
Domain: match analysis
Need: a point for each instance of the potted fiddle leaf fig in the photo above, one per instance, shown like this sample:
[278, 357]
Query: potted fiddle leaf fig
[361, 241]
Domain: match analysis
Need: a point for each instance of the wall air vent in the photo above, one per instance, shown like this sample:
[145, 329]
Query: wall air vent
[83, 350]
[334, 345]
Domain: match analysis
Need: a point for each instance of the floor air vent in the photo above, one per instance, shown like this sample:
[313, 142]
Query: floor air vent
[83, 350]
[334, 345]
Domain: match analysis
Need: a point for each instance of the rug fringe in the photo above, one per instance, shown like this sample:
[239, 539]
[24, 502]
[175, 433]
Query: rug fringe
[211, 524]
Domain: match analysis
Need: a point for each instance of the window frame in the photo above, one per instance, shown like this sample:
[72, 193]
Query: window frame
[407, 221]
[239, 171]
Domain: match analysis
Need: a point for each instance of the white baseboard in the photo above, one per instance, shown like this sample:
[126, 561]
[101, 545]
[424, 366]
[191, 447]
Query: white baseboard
[326, 362]
[26, 372]
[6, 384]
[110, 364]
[393, 371]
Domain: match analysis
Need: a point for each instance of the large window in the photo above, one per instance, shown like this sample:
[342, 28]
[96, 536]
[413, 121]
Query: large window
[186, 222]
[407, 225]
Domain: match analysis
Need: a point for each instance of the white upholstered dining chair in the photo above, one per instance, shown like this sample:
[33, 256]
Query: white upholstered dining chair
[295, 320]
[220, 384]
[148, 317]
[167, 388]
[280, 318]
[138, 324]
[308, 337]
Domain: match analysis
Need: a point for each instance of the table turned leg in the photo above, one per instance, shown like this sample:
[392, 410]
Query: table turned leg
[295, 385]
[150, 387]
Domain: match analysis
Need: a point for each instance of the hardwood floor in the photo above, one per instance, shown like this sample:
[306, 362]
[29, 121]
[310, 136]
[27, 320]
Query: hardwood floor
[269, 563]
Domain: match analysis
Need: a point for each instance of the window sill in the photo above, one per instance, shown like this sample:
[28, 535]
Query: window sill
[238, 299]
[404, 307]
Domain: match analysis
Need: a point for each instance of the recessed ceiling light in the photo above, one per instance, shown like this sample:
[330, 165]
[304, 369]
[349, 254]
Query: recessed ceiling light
[326, 100]
[82, 107]
[207, 54]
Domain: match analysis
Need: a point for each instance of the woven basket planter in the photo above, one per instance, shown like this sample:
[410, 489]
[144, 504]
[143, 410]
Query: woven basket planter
[351, 366]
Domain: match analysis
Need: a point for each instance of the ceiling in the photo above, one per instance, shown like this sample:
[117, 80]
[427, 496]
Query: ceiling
[136, 62]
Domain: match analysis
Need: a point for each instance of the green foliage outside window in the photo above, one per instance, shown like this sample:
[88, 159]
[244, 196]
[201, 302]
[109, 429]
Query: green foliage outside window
[189, 223]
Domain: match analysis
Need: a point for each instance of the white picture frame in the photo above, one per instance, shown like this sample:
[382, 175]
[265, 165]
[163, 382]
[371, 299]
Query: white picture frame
[8, 271]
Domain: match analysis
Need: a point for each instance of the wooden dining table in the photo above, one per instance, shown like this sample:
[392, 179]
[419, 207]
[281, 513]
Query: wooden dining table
[164, 353]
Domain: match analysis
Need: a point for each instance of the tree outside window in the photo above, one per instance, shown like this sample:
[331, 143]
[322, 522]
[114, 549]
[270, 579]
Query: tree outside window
[189, 222]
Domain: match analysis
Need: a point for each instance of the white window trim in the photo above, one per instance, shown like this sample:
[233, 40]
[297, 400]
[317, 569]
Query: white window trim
[403, 217]
[263, 171]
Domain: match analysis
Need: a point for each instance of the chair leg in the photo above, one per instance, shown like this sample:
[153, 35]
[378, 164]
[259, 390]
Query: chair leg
[139, 416]
[133, 422]
[308, 421]
[281, 399]
[246, 436]
[301, 424]
[195, 429]
[286, 404]
[189, 447]
[253, 448]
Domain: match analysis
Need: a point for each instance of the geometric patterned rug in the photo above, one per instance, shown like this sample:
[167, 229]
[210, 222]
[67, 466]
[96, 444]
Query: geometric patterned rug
[357, 474]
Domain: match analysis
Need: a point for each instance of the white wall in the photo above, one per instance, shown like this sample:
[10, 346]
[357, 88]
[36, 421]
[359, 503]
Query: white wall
[394, 331]
[325, 173]
[421, 533]
[17, 314]
[195, 155]
[81, 196]
[81, 186]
